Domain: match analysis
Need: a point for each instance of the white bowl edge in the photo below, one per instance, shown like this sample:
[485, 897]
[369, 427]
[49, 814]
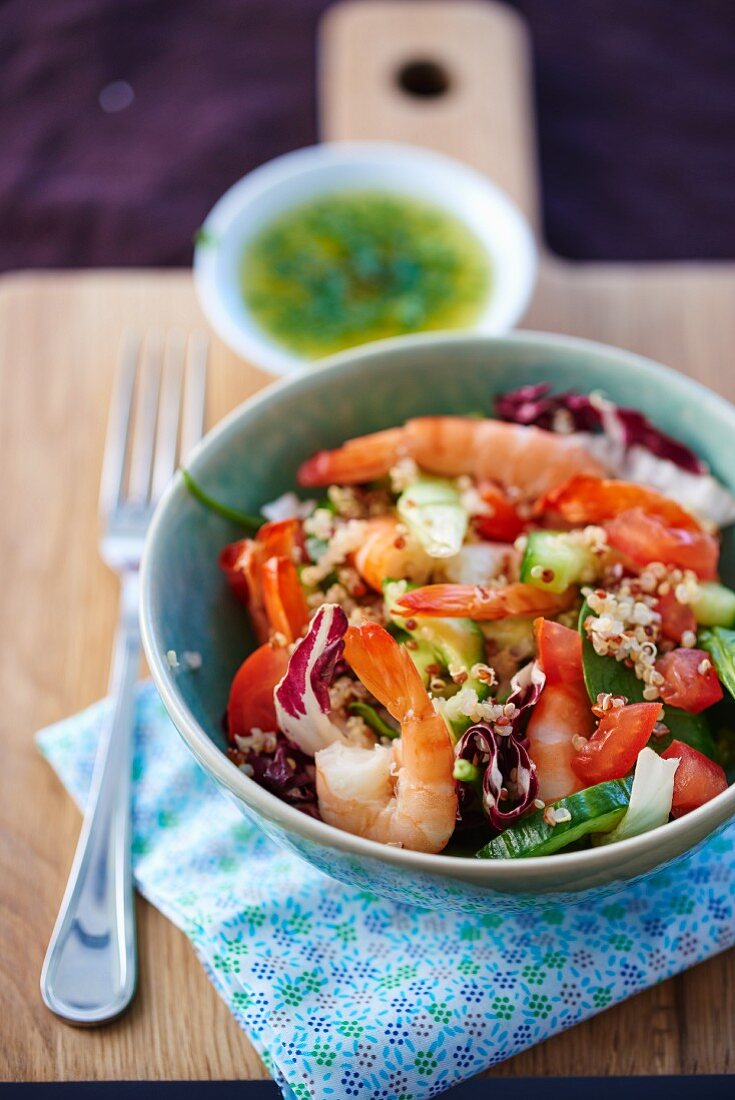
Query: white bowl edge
[491, 873]
[286, 181]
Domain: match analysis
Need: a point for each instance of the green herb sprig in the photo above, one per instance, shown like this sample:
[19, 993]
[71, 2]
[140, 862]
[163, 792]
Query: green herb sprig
[251, 524]
[372, 719]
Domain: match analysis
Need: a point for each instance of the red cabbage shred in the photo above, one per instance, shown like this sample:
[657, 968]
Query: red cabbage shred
[288, 773]
[536, 405]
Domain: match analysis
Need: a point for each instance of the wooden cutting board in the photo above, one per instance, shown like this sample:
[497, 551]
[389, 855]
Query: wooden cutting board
[58, 338]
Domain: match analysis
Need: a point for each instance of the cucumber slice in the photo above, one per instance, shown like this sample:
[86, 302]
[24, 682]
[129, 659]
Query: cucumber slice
[423, 657]
[373, 720]
[432, 510]
[595, 810]
[714, 605]
[509, 643]
[553, 561]
[504, 633]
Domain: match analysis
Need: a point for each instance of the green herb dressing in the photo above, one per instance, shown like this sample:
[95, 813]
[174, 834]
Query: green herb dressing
[359, 266]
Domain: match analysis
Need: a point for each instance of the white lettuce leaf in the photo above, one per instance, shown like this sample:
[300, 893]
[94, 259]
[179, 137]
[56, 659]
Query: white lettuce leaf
[286, 506]
[650, 797]
[480, 562]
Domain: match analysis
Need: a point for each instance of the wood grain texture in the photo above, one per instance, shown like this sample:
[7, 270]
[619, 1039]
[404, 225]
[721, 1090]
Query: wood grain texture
[484, 119]
[58, 341]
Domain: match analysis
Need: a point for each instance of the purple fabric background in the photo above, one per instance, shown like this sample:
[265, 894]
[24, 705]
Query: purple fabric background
[635, 98]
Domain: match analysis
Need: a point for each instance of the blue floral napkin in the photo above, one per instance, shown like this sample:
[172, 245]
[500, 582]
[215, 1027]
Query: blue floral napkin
[347, 995]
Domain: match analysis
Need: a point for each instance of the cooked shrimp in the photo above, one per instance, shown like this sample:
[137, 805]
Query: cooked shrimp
[530, 459]
[403, 795]
[388, 551]
[364, 458]
[561, 713]
[469, 601]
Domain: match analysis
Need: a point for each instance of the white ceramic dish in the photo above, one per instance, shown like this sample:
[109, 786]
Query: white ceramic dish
[297, 177]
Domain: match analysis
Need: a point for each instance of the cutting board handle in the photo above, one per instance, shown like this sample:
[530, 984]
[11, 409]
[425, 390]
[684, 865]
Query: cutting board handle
[453, 75]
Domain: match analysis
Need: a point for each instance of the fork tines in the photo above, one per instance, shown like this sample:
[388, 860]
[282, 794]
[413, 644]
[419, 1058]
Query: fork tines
[156, 415]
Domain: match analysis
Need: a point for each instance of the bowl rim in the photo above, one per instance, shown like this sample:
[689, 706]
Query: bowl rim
[536, 870]
[255, 344]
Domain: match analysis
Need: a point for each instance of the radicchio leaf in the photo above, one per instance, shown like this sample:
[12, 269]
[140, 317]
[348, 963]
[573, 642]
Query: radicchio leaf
[286, 772]
[302, 696]
[576, 412]
[534, 405]
[526, 686]
[504, 799]
[502, 753]
[639, 430]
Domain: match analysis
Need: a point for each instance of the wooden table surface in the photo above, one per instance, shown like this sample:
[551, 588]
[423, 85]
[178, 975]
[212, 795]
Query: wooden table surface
[58, 340]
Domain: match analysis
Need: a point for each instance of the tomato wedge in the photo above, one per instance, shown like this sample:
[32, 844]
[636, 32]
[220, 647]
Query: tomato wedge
[561, 712]
[613, 748]
[697, 779]
[235, 561]
[282, 538]
[503, 524]
[676, 618]
[584, 499]
[684, 685]
[646, 538]
[283, 598]
[251, 703]
[560, 653]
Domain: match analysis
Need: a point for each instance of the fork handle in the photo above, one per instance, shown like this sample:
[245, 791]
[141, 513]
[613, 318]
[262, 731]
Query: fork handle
[89, 972]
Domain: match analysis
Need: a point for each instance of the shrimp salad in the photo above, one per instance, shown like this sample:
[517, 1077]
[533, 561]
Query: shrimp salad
[496, 637]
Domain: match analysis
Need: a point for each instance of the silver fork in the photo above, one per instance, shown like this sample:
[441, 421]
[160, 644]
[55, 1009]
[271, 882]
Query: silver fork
[157, 413]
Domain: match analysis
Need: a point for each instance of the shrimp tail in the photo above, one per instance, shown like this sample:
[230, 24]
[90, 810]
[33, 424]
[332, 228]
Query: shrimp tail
[362, 459]
[386, 670]
[483, 604]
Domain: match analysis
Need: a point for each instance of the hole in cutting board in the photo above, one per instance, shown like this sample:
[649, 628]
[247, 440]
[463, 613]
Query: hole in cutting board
[423, 78]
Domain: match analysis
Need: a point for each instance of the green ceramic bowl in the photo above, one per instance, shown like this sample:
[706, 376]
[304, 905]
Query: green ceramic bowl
[251, 457]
